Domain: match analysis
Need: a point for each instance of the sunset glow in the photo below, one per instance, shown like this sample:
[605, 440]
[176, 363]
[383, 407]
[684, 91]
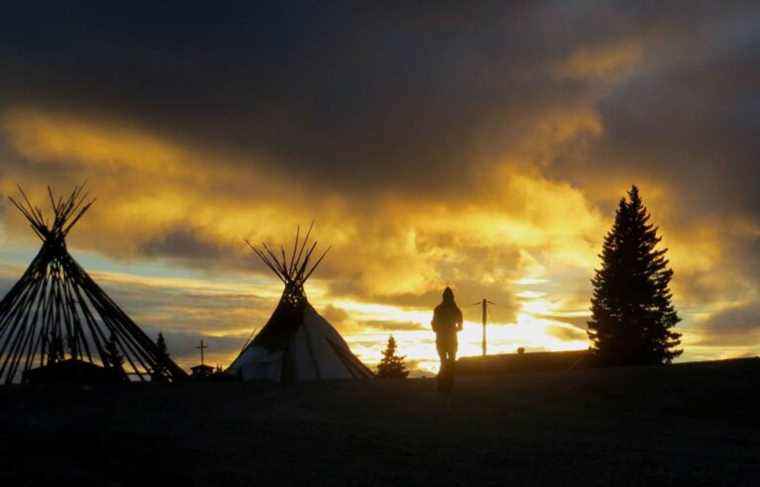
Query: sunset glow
[490, 161]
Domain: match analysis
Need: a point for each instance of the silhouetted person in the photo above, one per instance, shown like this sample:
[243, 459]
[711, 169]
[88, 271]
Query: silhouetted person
[447, 322]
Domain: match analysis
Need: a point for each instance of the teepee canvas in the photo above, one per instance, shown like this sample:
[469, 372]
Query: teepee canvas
[58, 325]
[296, 344]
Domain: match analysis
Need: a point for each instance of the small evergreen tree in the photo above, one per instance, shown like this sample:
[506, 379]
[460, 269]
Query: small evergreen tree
[112, 354]
[163, 354]
[632, 314]
[73, 346]
[392, 366]
[161, 344]
[55, 348]
[114, 359]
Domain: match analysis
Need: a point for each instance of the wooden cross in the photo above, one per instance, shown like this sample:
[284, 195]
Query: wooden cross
[202, 347]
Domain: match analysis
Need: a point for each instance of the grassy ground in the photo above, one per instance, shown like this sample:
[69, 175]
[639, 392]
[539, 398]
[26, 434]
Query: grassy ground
[691, 423]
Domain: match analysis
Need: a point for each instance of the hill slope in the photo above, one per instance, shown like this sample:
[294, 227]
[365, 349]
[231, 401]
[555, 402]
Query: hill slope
[693, 423]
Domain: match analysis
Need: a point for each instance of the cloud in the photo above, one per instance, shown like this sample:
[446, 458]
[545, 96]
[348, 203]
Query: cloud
[395, 326]
[576, 322]
[603, 62]
[472, 147]
[567, 333]
[409, 246]
[736, 324]
[186, 243]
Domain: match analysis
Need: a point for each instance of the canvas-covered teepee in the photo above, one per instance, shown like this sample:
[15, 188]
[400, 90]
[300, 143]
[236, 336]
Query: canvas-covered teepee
[296, 344]
[58, 325]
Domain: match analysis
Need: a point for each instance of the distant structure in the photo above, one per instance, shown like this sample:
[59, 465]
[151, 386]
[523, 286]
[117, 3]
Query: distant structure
[202, 347]
[296, 344]
[202, 371]
[522, 362]
[58, 325]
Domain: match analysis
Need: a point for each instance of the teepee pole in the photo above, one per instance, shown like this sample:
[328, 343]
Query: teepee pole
[56, 307]
[11, 300]
[313, 268]
[277, 263]
[97, 336]
[31, 324]
[268, 264]
[44, 325]
[123, 345]
[303, 245]
[305, 262]
[13, 330]
[295, 248]
[134, 331]
[16, 333]
[76, 219]
[129, 345]
[91, 320]
[284, 259]
[71, 311]
[94, 330]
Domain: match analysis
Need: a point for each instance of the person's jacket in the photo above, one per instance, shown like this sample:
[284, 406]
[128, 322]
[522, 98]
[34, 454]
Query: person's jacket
[447, 318]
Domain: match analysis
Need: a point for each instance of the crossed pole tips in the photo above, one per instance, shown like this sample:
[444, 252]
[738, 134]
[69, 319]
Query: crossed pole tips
[66, 211]
[56, 312]
[484, 304]
[295, 269]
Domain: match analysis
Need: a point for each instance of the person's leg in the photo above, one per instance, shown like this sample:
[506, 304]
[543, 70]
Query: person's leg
[442, 355]
[447, 359]
[440, 345]
[445, 376]
[453, 355]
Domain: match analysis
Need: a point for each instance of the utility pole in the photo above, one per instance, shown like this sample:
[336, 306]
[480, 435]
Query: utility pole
[202, 347]
[484, 305]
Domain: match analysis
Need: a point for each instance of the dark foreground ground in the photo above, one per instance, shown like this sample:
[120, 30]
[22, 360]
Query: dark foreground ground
[694, 424]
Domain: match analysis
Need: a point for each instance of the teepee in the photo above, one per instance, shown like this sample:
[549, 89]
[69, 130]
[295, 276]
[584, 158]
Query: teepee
[58, 325]
[296, 344]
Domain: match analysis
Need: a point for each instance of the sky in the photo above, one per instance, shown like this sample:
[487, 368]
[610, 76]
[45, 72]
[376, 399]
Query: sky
[481, 146]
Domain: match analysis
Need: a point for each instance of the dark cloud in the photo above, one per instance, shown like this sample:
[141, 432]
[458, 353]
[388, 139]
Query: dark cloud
[399, 128]
[408, 91]
[194, 248]
[567, 333]
[184, 307]
[740, 320]
[334, 315]
[579, 322]
[690, 109]
[395, 325]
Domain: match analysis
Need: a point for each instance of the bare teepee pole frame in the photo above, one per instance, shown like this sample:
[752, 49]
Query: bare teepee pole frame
[295, 271]
[56, 311]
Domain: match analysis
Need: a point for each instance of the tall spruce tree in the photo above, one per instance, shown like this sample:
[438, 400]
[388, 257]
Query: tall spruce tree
[392, 366]
[632, 314]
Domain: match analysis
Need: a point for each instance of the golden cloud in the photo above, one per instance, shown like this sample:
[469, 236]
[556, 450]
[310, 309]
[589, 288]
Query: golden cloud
[509, 224]
[393, 245]
[601, 62]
